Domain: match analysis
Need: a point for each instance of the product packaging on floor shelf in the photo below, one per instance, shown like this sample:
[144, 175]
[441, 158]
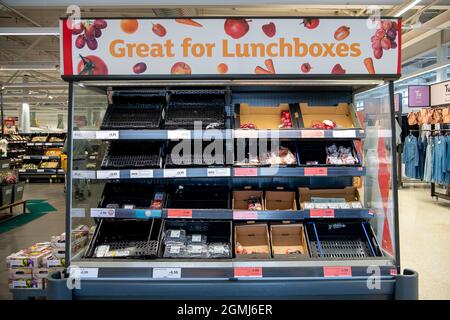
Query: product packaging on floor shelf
[27, 284]
[30, 257]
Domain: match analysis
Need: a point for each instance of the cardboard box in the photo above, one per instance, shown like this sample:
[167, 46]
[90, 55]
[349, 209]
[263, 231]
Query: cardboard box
[280, 200]
[42, 273]
[264, 117]
[26, 284]
[240, 198]
[284, 237]
[53, 262]
[20, 273]
[32, 257]
[343, 115]
[253, 238]
[348, 193]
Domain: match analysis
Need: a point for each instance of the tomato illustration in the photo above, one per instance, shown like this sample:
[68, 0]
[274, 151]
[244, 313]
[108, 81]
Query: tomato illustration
[311, 23]
[92, 66]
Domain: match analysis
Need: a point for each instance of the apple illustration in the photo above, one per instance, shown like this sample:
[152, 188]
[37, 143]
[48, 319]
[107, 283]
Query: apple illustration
[180, 68]
[236, 28]
[337, 69]
[269, 29]
[306, 67]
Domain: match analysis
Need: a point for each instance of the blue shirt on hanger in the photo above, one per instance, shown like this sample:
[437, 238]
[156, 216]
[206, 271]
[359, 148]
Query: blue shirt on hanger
[411, 156]
[440, 161]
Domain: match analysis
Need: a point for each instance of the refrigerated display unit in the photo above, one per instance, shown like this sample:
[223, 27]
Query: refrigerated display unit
[172, 230]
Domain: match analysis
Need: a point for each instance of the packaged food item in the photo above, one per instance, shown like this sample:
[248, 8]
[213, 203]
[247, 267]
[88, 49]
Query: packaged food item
[175, 236]
[196, 238]
[281, 157]
[173, 250]
[340, 156]
[286, 121]
[196, 251]
[26, 284]
[157, 201]
[219, 250]
[356, 205]
[308, 205]
[254, 204]
[129, 206]
[345, 205]
[248, 126]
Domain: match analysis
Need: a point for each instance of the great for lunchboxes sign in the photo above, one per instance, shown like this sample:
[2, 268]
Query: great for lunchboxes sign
[230, 46]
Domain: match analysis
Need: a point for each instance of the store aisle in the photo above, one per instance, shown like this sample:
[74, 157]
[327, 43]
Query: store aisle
[37, 230]
[424, 240]
[424, 232]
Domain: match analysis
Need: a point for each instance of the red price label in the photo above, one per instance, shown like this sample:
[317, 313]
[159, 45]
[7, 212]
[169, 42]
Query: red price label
[316, 171]
[321, 213]
[179, 213]
[337, 271]
[245, 215]
[255, 272]
[393, 272]
[246, 172]
[313, 134]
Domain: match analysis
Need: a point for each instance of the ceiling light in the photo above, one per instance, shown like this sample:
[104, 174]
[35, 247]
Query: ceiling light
[32, 31]
[409, 6]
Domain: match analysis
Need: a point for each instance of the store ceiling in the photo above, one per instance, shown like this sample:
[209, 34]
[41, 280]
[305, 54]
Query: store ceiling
[40, 54]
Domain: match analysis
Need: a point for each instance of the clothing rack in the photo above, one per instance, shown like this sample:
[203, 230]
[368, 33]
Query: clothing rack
[433, 185]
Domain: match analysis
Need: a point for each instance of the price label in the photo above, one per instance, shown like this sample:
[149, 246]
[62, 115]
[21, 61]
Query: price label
[175, 173]
[37, 144]
[26, 157]
[321, 213]
[109, 135]
[179, 213]
[251, 134]
[178, 134]
[83, 174]
[84, 273]
[108, 174]
[135, 174]
[254, 272]
[45, 157]
[393, 272]
[244, 215]
[40, 170]
[48, 143]
[218, 172]
[22, 170]
[166, 273]
[344, 133]
[78, 213]
[83, 135]
[316, 172]
[313, 133]
[337, 271]
[246, 172]
[103, 213]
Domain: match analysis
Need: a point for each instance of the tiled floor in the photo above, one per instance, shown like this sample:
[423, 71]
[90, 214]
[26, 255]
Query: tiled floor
[424, 236]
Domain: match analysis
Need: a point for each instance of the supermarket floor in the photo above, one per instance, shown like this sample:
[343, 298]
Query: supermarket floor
[424, 233]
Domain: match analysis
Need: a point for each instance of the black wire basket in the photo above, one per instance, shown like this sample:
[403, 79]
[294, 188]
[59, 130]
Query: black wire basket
[125, 239]
[341, 240]
[132, 154]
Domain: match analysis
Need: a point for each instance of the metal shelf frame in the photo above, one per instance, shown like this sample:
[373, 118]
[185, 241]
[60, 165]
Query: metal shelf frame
[202, 279]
